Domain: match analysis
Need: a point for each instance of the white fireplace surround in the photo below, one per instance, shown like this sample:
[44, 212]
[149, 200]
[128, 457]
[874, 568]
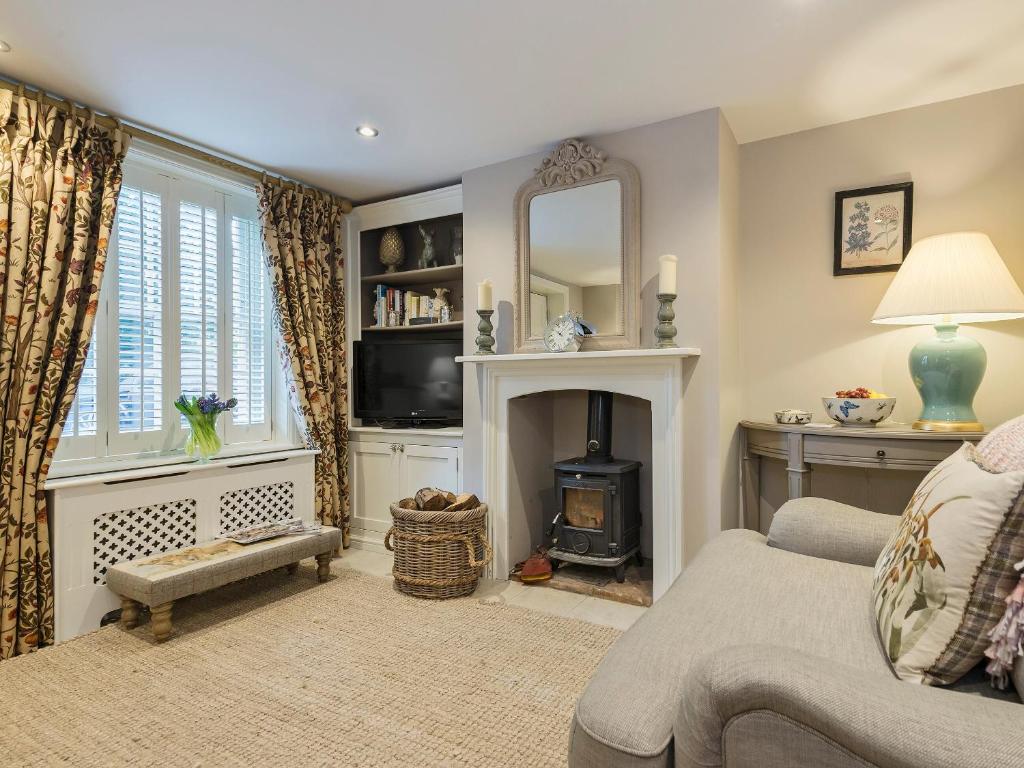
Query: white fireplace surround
[655, 375]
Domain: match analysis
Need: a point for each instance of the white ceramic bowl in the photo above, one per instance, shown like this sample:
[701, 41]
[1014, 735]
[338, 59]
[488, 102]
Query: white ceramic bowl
[859, 411]
[792, 416]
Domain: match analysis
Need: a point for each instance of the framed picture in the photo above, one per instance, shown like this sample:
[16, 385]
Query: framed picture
[873, 228]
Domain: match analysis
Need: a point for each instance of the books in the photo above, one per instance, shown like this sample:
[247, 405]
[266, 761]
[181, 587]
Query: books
[270, 531]
[393, 307]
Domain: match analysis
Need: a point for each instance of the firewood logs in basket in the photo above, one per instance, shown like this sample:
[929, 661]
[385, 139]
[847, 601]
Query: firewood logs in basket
[436, 500]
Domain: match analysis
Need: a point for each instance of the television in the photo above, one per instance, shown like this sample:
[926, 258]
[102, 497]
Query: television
[409, 381]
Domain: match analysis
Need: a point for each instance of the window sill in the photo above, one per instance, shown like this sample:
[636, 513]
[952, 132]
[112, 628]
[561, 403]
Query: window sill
[70, 473]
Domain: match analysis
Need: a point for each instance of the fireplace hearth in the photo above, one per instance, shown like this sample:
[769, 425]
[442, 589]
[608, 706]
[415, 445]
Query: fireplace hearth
[598, 518]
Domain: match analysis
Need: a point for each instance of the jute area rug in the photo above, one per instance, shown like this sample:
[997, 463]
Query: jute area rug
[281, 671]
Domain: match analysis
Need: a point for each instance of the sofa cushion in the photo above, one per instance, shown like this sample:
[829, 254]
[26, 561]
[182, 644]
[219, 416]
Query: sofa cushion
[934, 580]
[1002, 449]
[817, 606]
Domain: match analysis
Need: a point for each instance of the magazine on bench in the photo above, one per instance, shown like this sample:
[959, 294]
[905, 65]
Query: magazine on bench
[266, 531]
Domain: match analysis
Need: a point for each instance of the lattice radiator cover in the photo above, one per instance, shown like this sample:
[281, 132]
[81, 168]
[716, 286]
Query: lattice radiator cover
[254, 506]
[128, 534]
[96, 522]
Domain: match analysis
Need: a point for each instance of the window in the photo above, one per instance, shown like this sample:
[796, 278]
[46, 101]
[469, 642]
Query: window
[185, 308]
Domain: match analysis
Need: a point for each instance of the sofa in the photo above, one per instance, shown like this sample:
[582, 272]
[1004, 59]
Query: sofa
[764, 653]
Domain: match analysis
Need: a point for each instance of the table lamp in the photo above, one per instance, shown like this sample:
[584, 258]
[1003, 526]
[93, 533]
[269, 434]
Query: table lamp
[944, 281]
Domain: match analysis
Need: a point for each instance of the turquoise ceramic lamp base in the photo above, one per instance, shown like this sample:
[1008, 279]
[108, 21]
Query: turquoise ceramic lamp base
[947, 371]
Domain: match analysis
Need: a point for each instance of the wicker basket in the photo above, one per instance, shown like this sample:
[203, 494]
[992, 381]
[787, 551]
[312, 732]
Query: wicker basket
[438, 554]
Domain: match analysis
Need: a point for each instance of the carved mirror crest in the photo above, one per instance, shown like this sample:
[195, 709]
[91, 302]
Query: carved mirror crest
[578, 247]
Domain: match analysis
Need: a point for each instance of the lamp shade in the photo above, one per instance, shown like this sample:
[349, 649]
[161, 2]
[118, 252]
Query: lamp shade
[958, 278]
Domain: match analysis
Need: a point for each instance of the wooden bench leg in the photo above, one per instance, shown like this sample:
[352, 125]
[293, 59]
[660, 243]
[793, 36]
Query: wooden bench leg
[160, 619]
[323, 566]
[292, 568]
[129, 613]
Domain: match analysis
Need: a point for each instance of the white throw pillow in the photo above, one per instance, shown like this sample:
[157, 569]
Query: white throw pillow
[926, 574]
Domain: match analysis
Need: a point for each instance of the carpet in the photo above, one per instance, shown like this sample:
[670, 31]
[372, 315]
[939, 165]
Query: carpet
[281, 671]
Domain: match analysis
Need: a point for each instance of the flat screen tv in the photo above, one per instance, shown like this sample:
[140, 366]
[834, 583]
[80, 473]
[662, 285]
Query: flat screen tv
[408, 381]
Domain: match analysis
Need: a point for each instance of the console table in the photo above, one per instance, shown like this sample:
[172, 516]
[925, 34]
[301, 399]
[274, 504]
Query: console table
[887, 446]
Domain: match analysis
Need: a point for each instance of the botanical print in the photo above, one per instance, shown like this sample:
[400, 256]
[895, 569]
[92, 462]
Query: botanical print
[910, 578]
[872, 229]
[302, 234]
[60, 175]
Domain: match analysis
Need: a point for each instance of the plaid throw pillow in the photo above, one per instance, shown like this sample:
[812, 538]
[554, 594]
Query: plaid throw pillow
[940, 580]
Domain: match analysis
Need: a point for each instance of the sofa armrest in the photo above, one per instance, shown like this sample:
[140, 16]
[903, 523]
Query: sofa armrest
[775, 706]
[830, 530]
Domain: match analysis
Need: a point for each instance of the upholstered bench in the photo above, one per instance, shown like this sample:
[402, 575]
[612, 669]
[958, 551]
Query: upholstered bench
[160, 580]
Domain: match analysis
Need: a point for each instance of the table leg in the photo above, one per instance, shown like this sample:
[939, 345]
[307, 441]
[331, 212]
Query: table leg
[323, 566]
[797, 469]
[129, 613]
[160, 619]
[750, 486]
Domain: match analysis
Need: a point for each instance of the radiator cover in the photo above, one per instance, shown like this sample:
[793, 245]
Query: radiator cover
[101, 520]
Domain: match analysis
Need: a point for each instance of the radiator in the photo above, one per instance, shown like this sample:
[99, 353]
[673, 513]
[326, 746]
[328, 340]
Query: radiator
[99, 520]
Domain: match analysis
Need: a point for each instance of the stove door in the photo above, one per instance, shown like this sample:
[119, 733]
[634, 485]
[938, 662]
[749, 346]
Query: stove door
[586, 506]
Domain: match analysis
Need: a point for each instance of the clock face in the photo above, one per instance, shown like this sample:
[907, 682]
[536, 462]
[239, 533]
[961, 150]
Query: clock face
[560, 335]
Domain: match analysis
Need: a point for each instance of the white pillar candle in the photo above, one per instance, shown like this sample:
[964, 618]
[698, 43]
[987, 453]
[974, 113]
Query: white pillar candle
[484, 296]
[667, 274]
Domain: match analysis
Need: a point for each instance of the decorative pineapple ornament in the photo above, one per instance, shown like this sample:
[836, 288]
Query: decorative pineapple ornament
[392, 249]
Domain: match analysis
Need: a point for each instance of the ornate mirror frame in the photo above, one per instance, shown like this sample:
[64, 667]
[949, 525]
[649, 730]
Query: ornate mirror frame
[574, 163]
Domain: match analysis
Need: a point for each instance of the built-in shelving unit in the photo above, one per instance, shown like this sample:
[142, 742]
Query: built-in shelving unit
[443, 274]
[455, 325]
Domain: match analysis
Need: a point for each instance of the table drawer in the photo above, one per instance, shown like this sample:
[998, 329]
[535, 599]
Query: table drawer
[879, 449]
[767, 441]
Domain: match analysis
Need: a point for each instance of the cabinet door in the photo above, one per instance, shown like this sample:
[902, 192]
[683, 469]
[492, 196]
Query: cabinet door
[429, 466]
[373, 473]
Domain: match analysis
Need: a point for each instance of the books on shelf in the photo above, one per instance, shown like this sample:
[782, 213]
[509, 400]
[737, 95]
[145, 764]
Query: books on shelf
[394, 307]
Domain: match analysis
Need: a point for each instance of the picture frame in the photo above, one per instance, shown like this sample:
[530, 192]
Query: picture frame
[873, 228]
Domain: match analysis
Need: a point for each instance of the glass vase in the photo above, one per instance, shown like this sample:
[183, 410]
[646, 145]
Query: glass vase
[203, 440]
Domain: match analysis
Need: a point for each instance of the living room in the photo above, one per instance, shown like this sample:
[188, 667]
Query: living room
[574, 384]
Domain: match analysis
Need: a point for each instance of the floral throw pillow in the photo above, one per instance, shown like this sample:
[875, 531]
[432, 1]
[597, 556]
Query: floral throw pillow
[927, 612]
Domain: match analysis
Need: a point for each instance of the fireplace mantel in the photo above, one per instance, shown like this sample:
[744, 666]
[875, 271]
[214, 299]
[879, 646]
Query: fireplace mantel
[563, 356]
[656, 375]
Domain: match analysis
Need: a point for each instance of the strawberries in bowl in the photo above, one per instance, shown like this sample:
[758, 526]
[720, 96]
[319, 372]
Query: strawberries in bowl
[859, 407]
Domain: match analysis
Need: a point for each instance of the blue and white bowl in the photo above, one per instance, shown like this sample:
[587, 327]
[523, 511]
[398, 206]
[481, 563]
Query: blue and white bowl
[859, 411]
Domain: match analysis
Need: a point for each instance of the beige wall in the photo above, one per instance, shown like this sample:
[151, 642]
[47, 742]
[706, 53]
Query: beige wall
[805, 333]
[687, 177]
[602, 306]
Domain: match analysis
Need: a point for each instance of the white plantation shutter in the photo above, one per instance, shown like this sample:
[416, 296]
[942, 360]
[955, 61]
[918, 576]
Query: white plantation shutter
[197, 262]
[250, 327]
[185, 308]
[140, 311]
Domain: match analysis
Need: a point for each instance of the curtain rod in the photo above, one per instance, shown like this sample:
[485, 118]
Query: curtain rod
[110, 122]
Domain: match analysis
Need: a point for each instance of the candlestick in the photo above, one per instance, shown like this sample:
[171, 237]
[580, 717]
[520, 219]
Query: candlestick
[665, 330]
[667, 274]
[484, 295]
[485, 341]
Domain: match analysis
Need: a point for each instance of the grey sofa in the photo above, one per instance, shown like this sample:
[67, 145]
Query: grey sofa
[764, 653]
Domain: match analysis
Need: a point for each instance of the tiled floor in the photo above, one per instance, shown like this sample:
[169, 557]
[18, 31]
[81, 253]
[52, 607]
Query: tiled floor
[592, 609]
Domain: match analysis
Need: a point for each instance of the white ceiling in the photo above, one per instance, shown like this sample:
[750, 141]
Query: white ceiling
[456, 84]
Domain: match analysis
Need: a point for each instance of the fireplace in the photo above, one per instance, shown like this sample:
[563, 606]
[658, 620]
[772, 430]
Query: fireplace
[598, 518]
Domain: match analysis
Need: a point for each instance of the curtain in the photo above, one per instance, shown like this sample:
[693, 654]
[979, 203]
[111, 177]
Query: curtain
[60, 175]
[303, 236]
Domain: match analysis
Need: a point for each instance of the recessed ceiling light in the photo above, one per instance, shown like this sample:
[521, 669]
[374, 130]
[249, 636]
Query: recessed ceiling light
[5, 47]
[367, 131]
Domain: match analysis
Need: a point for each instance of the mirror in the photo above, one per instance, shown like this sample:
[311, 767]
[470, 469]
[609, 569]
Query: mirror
[576, 256]
[577, 248]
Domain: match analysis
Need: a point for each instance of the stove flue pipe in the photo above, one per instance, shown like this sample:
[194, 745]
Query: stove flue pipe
[599, 427]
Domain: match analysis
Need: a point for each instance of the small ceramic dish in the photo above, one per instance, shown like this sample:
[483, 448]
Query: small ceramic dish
[859, 411]
[792, 416]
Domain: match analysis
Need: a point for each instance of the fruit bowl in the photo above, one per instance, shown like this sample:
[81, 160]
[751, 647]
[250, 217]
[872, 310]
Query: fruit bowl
[864, 410]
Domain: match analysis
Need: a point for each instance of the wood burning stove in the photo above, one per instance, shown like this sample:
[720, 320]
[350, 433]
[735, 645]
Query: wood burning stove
[598, 519]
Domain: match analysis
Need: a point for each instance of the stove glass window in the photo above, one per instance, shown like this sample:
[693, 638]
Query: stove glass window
[584, 507]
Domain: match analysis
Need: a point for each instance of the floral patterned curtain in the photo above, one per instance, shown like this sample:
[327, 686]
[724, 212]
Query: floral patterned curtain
[303, 237]
[60, 175]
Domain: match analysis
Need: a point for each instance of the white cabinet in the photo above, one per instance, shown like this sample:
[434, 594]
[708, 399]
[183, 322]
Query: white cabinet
[386, 465]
